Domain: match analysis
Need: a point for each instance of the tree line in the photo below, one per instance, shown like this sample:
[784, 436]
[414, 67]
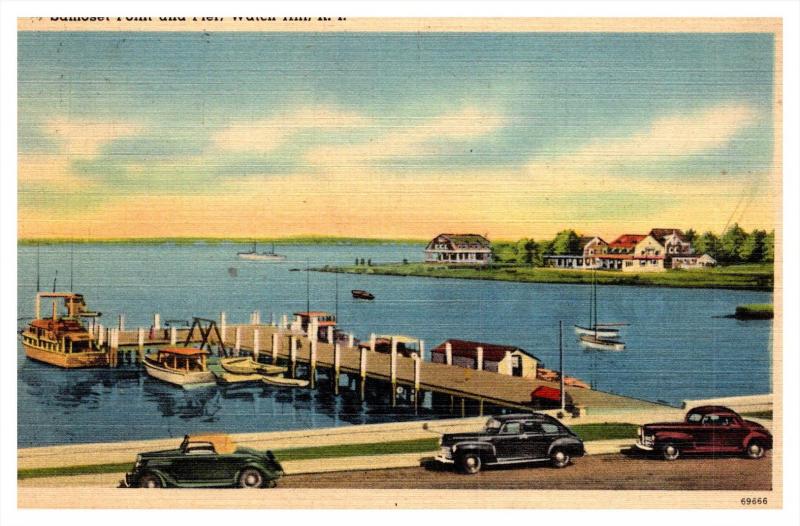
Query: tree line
[735, 245]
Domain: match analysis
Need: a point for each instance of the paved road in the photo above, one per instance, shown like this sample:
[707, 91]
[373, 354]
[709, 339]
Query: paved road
[594, 472]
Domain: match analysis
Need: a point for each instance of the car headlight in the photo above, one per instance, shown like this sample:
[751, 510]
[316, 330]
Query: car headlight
[138, 462]
[440, 441]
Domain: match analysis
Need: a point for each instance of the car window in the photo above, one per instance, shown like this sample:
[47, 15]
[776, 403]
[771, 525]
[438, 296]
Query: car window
[532, 427]
[694, 418]
[199, 449]
[511, 428]
[549, 428]
[711, 420]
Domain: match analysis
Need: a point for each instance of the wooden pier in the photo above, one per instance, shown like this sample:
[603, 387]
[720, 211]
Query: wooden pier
[409, 375]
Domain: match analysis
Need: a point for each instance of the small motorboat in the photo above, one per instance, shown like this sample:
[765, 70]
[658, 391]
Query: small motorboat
[183, 366]
[280, 381]
[591, 341]
[362, 294]
[246, 365]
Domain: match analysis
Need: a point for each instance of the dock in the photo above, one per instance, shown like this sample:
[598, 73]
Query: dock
[409, 379]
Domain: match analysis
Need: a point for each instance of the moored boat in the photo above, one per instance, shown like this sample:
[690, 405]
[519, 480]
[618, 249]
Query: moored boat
[246, 365]
[599, 330]
[183, 366]
[362, 294]
[63, 341]
[590, 341]
[280, 381]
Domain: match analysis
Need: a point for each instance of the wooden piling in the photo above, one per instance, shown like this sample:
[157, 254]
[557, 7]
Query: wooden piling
[351, 340]
[121, 322]
[363, 370]
[337, 359]
[275, 346]
[372, 342]
[312, 363]
[237, 340]
[156, 321]
[448, 353]
[100, 335]
[173, 335]
[223, 327]
[293, 352]
[479, 363]
[330, 335]
[256, 344]
[140, 342]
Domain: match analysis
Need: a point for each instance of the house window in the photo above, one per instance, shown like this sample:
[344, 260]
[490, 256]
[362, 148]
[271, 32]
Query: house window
[642, 263]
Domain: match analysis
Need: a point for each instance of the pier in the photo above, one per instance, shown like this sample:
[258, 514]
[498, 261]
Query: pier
[409, 378]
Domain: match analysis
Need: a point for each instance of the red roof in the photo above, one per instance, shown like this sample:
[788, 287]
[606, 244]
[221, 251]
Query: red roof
[546, 393]
[469, 349]
[627, 240]
[183, 351]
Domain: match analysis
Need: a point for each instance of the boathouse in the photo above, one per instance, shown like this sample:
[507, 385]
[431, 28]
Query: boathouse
[459, 249]
[503, 359]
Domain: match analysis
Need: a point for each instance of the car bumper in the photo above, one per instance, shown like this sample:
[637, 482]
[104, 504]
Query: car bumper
[443, 459]
[643, 447]
[128, 481]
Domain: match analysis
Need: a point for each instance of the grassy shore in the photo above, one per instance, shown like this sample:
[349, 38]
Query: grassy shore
[587, 433]
[754, 311]
[746, 277]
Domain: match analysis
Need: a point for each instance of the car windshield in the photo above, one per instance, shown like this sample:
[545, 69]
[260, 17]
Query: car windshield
[492, 425]
[694, 418]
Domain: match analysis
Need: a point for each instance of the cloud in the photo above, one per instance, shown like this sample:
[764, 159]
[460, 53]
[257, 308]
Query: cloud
[267, 135]
[85, 138]
[408, 140]
[665, 139]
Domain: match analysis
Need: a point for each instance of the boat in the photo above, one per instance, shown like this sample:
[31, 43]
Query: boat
[183, 366]
[63, 340]
[280, 381]
[590, 341]
[253, 255]
[362, 294]
[231, 378]
[596, 332]
[246, 365]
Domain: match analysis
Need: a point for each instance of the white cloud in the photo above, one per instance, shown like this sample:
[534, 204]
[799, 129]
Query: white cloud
[84, 138]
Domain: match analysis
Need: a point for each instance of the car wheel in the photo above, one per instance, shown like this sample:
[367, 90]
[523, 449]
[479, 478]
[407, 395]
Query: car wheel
[559, 458]
[670, 452]
[251, 478]
[755, 450]
[149, 480]
[471, 463]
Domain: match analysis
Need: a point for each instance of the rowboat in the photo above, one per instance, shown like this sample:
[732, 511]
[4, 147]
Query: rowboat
[284, 382]
[246, 365]
[590, 341]
[230, 378]
[183, 366]
[362, 294]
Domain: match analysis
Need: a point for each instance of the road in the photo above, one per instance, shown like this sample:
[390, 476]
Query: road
[598, 472]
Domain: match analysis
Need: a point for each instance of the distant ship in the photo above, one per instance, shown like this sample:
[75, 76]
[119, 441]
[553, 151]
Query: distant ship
[252, 255]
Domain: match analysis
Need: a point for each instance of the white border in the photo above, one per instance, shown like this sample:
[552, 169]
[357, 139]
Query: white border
[788, 10]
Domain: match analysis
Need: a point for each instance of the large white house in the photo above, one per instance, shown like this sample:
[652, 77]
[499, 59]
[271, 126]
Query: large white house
[459, 249]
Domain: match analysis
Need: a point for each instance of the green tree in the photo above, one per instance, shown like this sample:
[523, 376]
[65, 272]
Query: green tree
[690, 235]
[730, 243]
[503, 252]
[707, 243]
[768, 255]
[752, 248]
[526, 251]
[566, 242]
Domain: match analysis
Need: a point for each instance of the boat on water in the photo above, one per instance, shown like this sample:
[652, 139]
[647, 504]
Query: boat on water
[280, 381]
[362, 294]
[253, 255]
[589, 341]
[183, 366]
[599, 330]
[248, 366]
[63, 340]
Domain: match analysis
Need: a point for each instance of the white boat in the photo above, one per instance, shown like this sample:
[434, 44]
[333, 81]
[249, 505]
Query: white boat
[598, 330]
[183, 366]
[252, 255]
[590, 341]
[284, 382]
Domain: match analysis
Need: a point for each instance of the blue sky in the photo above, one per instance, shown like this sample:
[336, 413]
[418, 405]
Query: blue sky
[130, 119]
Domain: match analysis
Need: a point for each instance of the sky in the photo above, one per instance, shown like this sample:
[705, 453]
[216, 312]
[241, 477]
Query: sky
[405, 135]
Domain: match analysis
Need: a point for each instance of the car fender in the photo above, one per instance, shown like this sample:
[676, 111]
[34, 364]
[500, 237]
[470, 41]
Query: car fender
[572, 445]
[269, 474]
[484, 448]
[165, 479]
[763, 438]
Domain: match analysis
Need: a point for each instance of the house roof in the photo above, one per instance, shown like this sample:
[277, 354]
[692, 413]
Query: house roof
[585, 240]
[466, 240]
[627, 240]
[661, 233]
[491, 352]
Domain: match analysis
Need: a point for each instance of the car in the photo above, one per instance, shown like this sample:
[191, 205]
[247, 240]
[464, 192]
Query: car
[707, 429]
[511, 439]
[205, 461]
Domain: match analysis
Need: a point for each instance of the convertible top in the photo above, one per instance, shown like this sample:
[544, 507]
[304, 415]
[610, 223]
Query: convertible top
[223, 444]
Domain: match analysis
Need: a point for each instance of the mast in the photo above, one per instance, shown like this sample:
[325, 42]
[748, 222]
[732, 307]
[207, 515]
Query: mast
[71, 261]
[336, 296]
[594, 300]
[561, 361]
[38, 288]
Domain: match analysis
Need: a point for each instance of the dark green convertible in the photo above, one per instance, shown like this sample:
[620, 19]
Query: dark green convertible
[205, 461]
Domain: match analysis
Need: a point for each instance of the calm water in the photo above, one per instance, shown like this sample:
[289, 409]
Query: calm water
[676, 348]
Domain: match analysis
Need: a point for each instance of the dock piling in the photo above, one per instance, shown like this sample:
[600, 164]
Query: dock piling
[337, 360]
[121, 322]
[256, 344]
[275, 344]
[351, 340]
[372, 342]
[393, 371]
[173, 335]
[140, 342]
[237, 340]
[157, 321]
[293, 352]
[100, 335]
[223, 327]
[479, 364]
[448, 353]
[312, 363]
[363, 370]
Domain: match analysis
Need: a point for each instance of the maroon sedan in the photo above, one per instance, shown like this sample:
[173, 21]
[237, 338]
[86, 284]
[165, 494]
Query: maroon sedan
[708, 429]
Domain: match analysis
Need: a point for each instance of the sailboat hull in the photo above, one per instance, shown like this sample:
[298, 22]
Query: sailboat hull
[598, 344]
[600, 332]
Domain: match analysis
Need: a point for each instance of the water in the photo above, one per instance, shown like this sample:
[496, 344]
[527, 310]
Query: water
[676, 348]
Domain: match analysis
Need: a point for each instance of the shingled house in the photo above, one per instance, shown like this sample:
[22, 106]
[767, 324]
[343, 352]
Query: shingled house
[459, 249]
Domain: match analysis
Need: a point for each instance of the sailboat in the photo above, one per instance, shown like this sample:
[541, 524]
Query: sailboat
[252, 255]
[599, 336]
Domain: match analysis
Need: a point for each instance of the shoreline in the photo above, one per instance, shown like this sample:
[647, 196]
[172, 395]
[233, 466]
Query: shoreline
[734, 277]
[289, 240]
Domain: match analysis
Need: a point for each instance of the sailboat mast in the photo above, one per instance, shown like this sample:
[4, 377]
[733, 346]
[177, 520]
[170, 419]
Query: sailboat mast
[38, 288]
[71, 261]
[594, 296]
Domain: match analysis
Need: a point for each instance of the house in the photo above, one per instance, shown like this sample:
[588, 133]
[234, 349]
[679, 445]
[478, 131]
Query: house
[619, 251]
[674, 243]
[504, 359]
[633, 253]
[459, 249]
[586, 257]
[693, 261]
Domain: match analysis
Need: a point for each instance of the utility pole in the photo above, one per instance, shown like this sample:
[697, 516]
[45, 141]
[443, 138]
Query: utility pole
[561, 362]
